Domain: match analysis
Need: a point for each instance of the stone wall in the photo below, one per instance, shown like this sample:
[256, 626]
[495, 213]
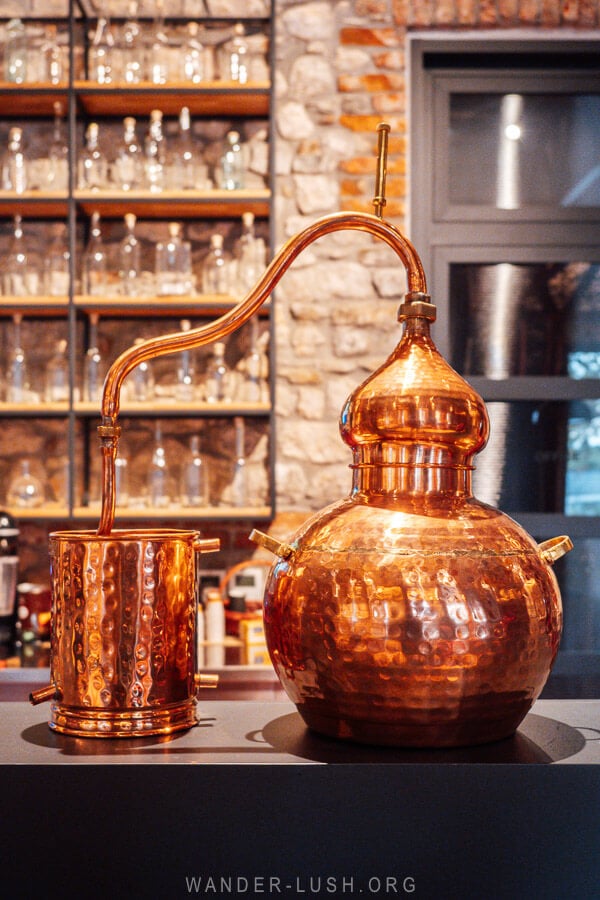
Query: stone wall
[340, 70]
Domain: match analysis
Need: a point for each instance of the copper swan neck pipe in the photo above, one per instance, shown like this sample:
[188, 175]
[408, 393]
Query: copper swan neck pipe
[231, 321]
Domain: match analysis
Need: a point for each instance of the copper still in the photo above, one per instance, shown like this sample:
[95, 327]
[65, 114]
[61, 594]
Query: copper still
[407, 614]
[410, 613]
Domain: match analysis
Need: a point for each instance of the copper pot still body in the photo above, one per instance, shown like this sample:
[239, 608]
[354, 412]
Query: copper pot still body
[410, 613]
[123, 643]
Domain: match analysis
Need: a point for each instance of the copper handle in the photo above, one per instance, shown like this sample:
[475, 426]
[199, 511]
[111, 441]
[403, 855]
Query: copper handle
[554, 548]
[279, 548]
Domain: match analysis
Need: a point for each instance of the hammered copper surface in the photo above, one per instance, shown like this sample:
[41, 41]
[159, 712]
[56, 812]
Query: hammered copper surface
[409, 613]
[123, 638]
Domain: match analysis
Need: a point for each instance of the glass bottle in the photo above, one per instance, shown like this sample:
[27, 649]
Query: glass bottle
[17, 379]
[52, 60]
[232, 163]
[157, 59]
[235, 57]
[158, 476]
[173, 263]
[252, 390]
[17, 280]
[25, 490]
[130, 258]
[217, 383]
[141, 384]
[14, 167]
[250, 254]
[101, 53]
[239, 485]
[94, 369]
[122, 476]
[155, 153]
[58, 154]
[56, 388]
[15, 52]
[192, 55]
[57, 263]
[128, 166]
[194, 477]
[132, 48]
[182, 156]
[185, 387]
[94, 271]
[216, 269]
[93, 168]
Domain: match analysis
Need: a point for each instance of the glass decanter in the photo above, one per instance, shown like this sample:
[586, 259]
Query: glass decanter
[132, 46]
[158, 494]
[130, 258]
[140, 385]
[122, 476]
[155, 153]
[217, 268]
[57, 263]
[192, 55]
[94, 267]
[94, 368]
[20, 277]
[58, 154]
[101, 52]
[17, 377]
[232, 163]
[14, 163]
[92, 172]
[173, 264]
[194, 477]
[250, 256]
[157, 56]
[253, 384]
[217, 384]
[182, 155]
[15, 52]
[185, 388]
[235, 57]
[237, 495]
[128, 166]
[52, 56]
[25, 490]
[56, 385]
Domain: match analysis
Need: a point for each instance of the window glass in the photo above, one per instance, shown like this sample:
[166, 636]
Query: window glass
[514, 150]
[526, 319]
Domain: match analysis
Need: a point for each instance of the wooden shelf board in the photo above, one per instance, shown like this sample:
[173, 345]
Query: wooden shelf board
[176, 513]
[41, 204]
[32, 99]
[188, 204]
[210, 98]
[158, 407]
[41, 305]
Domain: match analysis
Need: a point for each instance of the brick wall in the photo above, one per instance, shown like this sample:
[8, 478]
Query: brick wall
[341, 69]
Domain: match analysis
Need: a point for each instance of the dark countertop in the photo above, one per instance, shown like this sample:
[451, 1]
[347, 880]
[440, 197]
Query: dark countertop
[272, 732]
[249, 803]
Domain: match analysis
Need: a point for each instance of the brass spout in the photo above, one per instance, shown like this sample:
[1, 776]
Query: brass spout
[50, 692]
[232, 320]
[379, 201]
[206, 681]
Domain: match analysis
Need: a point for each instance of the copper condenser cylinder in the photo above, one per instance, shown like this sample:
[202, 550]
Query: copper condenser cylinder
[123, 660]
